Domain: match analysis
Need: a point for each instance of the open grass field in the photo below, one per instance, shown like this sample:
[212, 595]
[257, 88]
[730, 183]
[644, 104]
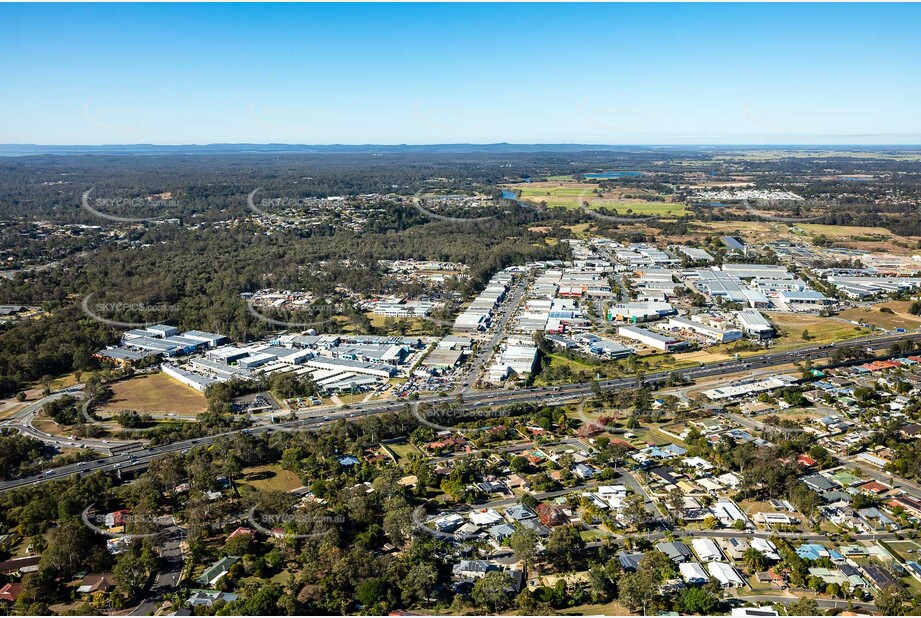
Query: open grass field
[46, 425]
[608, 609]
[562, 194]
[702, 356]
[592, 534]
[900, 319]
[156, 393]
[270, 478]
[844, 232]
[820, 329]
[403, 450]
[904, 550]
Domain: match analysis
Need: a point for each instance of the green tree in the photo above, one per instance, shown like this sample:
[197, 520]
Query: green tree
[493, 591]
[891, 601]
[803, 606]
[563, 548]
[524, 543]
[674, 502]
[754, 559]
[634, 511]
[698, 601]
[418, 583]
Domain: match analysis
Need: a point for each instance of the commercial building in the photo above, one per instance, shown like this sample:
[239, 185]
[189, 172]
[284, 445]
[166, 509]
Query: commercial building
[724, 285]
[610, 349]
[754, 323]
[803, 298]
[443, 359]
[373, 369]
[867, 286]
[750, 388]
[211, 340]
[696, 255]
[646, 311]
[516, 357]
[403, 309]
[714, 334]
[665, 343]
[195, 380]
[124, 357]
[227, 354]
[757, 271]
[734, 244]
[162, 330]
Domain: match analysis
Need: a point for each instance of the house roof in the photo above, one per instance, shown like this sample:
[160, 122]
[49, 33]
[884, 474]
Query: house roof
[631, 561]
[873, 487]
[10, 592]
[9, 566]
[97, 582]
[519, 512]
[217, 570]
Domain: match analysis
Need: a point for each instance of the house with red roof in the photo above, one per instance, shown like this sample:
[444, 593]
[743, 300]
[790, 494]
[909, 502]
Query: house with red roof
[240, 532]
[10, 592]
[874, 488]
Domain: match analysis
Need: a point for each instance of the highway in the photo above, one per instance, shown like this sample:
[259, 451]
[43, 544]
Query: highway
[548, 395]
[23, 419]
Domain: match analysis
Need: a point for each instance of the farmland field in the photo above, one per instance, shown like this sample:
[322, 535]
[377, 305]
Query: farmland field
[571, 195]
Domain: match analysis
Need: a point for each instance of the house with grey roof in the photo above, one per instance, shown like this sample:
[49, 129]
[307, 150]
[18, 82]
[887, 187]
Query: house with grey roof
[519, 512]
[217, 571]
[676, 550]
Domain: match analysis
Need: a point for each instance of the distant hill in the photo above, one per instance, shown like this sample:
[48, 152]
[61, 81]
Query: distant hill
[12, 150]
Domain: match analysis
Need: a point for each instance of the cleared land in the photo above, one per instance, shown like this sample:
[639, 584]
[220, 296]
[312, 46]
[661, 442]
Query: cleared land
[702, 356]
[270, 478]
[156, 393]
[403, 450]
[559, 194]
[900, 318]
[819, 329]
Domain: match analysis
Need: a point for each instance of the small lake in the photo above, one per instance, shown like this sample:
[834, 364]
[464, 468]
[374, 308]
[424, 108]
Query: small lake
[609, 175]
[509, 195]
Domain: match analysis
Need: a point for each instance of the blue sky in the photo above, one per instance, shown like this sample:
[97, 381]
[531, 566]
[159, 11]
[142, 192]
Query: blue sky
[439, 73]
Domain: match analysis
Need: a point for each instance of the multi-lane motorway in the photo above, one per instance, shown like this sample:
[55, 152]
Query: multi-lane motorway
[552, 395]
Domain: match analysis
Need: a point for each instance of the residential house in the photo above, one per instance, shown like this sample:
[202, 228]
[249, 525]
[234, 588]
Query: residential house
[706, 550]
[676, 550]
[10, 592]
[725, 574]
[96, 582]
[217, 571]
[473, 569]
[693, 573]
[207, 598]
